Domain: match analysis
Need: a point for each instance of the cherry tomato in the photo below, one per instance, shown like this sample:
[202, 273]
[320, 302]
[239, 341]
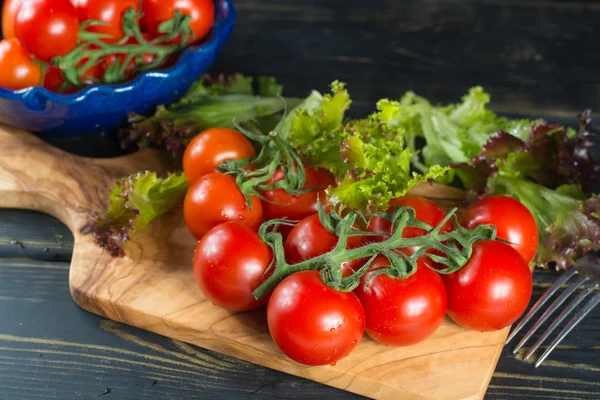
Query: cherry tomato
[108, 11]
[425, 211]
[9, 13]
[18, 69]
[310, 239]
[47, 28]
[214, 199]
[402, 312]
[81, 6]
[93, 74]
[313, 323]
[229, 263]
[158, 11]
[53, 79]
[492, 290]
[132, 65]
[211, 148]
[512, 219]
[280, 204]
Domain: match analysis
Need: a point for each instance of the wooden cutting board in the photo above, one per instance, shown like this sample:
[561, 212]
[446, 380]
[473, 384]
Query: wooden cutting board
[154, 289]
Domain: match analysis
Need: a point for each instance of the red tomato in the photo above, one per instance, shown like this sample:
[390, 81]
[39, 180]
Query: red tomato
[81, 6]
[130, 69]
[512, 219]
[156, 12]
[211, 148]
[108, 11]
[47, 28]
[402, 312]
[53, 79]
[92, 75]
[18, 69]
[313, 323]
[9, 12]
[229, 263]
[310, 239]
[214, 199]
[280, 204]
[425, 211]
[492, 290]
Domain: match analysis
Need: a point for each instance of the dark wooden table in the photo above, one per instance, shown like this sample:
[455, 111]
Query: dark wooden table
[535, 57]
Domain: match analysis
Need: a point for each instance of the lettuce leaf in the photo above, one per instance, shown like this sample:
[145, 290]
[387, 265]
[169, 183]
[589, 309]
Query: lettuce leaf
[454, 133]
[550, 172]
[214, 101]
[569, 223]
[549, 168]
[314, 128]
[369, 156]
[380, 171]
[133, 204]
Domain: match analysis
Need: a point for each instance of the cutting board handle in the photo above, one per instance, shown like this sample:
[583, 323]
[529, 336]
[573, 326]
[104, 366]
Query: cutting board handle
[36, 176]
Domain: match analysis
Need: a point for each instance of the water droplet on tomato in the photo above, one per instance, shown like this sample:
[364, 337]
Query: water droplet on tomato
[510, 303]
[335, 351]
[354, 342]
[344, 320]
[332, 330]
[316, 346]
[333, 364]
[240, 217]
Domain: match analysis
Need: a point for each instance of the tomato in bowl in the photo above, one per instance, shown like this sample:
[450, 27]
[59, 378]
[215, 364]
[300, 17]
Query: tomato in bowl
[100, 108]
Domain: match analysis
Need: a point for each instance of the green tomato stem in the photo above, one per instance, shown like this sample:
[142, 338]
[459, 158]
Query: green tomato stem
[94, 50]
[401, 266]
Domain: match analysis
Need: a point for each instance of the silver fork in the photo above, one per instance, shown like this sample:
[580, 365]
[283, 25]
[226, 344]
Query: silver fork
[587, 274]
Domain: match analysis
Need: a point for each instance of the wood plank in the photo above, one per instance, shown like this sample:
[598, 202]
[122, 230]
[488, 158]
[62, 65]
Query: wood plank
[34, 235]
[534, 58]
[50, 348]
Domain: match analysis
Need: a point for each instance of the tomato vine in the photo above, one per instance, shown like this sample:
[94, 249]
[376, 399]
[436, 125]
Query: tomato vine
[456, 247]
[92, 49]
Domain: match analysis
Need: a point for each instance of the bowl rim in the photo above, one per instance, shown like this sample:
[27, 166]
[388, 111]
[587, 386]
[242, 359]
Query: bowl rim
[225, 17]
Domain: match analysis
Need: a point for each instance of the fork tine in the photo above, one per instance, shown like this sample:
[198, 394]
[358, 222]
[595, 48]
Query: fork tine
[572, 324]
[553, 307]
[574, 303]
[541, 301]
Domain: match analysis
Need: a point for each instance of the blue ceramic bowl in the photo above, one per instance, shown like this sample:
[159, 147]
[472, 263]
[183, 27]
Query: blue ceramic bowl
[99, 109]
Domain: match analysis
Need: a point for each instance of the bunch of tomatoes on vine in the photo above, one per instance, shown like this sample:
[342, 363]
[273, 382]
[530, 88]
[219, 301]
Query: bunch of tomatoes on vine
[64, 45]
[267, 236]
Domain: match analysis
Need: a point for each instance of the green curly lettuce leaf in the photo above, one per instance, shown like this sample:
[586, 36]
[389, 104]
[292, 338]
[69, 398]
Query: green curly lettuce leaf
[380, 172]
[369, 156]
[547, 167]
[133, 204]
[314, 128]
